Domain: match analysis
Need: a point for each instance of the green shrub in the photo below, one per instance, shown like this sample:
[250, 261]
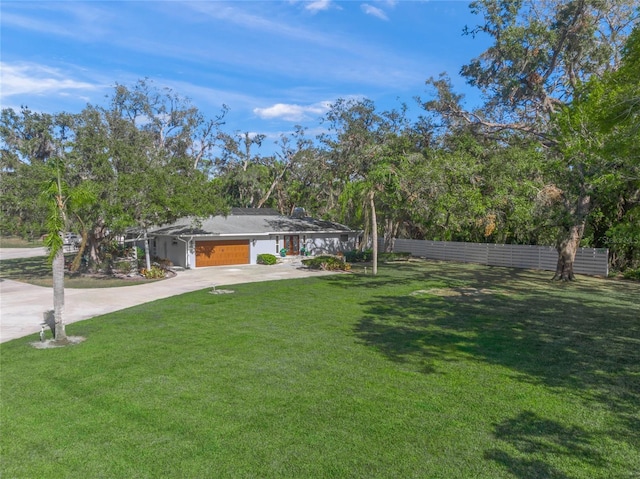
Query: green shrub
[327, 263]
[154, 273]
[267, 258]
[367, 255]
[632, 274]
[387, 257]
[122, 267]
[358, 256]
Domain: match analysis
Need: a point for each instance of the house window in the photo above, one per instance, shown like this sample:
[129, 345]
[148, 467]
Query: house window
[344, 238]
[277, 244]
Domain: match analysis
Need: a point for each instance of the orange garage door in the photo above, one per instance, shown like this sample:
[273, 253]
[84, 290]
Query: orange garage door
[219, 253]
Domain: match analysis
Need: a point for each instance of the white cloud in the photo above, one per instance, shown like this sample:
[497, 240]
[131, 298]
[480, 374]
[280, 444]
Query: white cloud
[236, 14]
[34, 79]
[374, 11]
[291, 112]
[27, 23]
[79, 20]
[318, 5]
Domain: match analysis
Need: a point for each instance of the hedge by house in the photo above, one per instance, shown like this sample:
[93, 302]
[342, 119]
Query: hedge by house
[327, 263]
[367, 255]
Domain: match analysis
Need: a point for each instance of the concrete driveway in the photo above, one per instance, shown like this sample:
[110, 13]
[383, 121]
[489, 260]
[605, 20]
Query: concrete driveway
[13, 253]
[22, 305]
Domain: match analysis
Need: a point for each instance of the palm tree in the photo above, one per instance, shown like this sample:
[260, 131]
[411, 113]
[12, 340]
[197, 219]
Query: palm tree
[59, 198]
[56, 198]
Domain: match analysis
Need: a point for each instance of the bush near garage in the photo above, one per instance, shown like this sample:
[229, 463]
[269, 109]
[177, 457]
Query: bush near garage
[267, 259]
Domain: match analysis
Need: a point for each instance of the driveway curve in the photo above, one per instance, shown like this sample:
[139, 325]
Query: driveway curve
[13, 253]
[22, 305]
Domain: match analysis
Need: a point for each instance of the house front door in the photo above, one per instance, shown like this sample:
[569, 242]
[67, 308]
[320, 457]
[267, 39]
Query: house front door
[292, 244]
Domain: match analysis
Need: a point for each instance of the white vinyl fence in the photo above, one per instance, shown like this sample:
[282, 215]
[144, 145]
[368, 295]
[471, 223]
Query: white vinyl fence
[592, 261]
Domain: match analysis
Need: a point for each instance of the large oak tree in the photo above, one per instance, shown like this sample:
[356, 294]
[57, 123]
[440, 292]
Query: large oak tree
[542, 52]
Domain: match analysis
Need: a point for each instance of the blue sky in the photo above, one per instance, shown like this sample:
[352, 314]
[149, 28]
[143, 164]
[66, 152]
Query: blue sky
[275, 64]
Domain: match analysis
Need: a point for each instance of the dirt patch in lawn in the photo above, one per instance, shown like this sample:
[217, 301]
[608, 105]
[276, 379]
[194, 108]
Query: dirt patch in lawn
[455, 292]
[52, 343]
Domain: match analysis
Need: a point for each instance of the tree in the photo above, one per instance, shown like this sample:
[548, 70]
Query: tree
[60, 200]
[401, 161]
[621, 121]
[543, 52]
[294, 149]
[601, 127]
[149, 157]
[367, 152]
[31, 172]
[244, 173]
[26, 140]
[353, 149]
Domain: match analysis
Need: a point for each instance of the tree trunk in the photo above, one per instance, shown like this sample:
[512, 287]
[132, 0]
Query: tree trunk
[147, 256]
[390, 232]
[59, 333]
[567, 248]
[77, 261]
[374, 232]
[568, 245]
[95, 239]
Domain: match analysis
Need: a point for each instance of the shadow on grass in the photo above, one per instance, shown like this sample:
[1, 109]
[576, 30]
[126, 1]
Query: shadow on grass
[431, 270]
[583, 336]
[528, 433]
[32, 268]
[403, 273]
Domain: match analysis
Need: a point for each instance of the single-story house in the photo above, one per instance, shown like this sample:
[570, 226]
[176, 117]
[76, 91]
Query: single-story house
[245, 233]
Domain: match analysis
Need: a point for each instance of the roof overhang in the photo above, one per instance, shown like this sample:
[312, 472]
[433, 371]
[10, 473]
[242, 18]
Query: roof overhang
[253, 235]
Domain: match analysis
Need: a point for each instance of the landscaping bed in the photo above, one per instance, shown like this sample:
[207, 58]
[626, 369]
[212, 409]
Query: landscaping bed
[37, 271]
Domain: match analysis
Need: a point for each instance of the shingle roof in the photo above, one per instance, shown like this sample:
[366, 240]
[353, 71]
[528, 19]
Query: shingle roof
[243, 222]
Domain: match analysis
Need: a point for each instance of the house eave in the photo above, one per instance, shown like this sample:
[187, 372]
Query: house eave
[270, 233]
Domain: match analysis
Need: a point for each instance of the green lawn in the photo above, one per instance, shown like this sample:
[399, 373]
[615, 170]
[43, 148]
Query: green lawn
[17, 242]
[429, 370]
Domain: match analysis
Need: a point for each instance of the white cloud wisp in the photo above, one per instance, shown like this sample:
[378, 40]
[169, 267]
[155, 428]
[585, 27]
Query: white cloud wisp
[374, 11]
[291, 112]
[34, 79]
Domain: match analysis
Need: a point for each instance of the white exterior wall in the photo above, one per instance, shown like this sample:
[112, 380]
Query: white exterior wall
[172, 249]
[191, 254]
[264, 245]
[329, 243]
